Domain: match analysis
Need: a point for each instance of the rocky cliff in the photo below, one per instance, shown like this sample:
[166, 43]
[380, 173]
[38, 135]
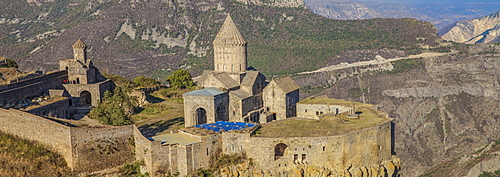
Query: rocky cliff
[387, 168]
[445, 107]
[479, 30]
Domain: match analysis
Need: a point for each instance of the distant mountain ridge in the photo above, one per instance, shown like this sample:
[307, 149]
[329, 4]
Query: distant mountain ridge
[154, 38]
[479, 30]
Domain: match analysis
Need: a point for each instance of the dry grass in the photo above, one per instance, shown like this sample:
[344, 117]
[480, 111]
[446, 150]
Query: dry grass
[19, 157]
[48, 101]
[164, 116]
[326, 126]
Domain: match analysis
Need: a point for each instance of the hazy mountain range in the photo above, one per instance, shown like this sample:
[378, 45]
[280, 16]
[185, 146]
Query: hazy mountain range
[440, 12]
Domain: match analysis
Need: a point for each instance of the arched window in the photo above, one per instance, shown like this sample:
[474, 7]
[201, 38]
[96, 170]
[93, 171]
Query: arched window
[85, 98]
[279, 150]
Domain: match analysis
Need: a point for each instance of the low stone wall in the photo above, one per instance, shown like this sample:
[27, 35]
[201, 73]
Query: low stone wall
[57, 109]
[37, 86]
[314, 111]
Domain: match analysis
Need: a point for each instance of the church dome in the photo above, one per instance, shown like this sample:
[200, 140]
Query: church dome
[229, 34]
[79, 44]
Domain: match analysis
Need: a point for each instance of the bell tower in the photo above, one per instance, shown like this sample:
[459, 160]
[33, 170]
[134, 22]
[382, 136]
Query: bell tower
[79, 51]
[230, 48]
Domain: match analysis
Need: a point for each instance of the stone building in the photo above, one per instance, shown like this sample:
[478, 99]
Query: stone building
[247, 97]
[85, 85]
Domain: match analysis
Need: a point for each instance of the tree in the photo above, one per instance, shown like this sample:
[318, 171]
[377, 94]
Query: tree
[143, 81]
[116, 108]
[9, 63]
[181, 79]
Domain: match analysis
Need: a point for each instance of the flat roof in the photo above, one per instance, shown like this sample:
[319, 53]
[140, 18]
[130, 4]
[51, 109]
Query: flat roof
[329, 125]
[175, 138]
[206, 92]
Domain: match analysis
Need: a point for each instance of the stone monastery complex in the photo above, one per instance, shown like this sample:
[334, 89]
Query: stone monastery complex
[238, 112]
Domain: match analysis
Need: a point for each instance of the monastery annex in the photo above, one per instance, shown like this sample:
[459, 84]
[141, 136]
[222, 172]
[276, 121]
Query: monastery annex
[238, 112]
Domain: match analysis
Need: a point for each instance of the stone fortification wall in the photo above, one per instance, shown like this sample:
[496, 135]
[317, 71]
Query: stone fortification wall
[32, 87]
[101, 148]
[32, 127]
[314, 111]
[84, 149]
[96, 90]
[359, 149]
[176, 158]
[57, 109]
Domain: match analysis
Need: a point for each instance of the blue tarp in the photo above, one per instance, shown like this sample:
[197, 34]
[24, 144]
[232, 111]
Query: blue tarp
[226, 126]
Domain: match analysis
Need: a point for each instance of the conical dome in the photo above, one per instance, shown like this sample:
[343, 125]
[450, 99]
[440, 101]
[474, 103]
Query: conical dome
[79, 44]
[229, 34]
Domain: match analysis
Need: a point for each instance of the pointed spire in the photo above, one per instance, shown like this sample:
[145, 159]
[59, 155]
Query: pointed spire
[229, 34]
[79, 44]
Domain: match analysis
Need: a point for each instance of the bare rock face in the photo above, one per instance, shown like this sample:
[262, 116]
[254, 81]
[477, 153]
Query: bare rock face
[386, 168]
[275, 3]
[479, 30]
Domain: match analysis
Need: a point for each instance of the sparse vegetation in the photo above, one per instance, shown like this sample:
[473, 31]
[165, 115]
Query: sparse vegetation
[133, 169]
[116, 108]
[20, 157]
[181, 79]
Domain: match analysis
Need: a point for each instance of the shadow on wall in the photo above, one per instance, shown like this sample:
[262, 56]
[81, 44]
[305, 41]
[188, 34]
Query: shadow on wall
[150, 130]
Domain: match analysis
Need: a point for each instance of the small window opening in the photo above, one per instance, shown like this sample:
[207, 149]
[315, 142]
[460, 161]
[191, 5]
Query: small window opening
[207, 151]
[317, 112]
[305, 110]
[295, 157]
[303, 157]
[324, 148]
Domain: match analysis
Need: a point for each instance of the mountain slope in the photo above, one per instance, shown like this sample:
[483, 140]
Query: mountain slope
[444, 108]
[153, 38]
[479, 30]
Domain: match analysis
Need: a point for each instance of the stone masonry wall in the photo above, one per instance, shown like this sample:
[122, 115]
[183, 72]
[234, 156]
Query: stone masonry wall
[32, 87]
[84, 149]
[57, 109]
[355, 149]
[314, 111]
[35, 128]
[101, 148]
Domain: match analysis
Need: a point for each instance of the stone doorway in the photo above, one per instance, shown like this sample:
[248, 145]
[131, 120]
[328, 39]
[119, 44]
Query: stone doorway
[201, 116]
[85, 98]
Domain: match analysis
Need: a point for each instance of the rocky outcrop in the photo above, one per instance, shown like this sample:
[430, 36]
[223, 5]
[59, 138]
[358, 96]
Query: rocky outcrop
[479, 30]
[386, 168]
[342, 9]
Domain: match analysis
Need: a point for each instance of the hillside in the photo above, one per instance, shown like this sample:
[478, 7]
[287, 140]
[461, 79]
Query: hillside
[155, 37]
[479, 30]
[444, 108]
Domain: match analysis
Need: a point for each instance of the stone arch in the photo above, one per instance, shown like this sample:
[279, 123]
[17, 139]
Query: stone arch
[279, 150]
[200, 116]
[85, 98]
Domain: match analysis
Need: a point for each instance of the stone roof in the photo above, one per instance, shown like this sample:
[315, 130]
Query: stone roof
[241, 94]
[225, 80]
[250, 78]
[205, 92]
[286, 83]
[79, 44]
[229, 34]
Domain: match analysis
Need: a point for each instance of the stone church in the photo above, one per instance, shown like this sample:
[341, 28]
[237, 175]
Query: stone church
[235, 92]
[85, 85]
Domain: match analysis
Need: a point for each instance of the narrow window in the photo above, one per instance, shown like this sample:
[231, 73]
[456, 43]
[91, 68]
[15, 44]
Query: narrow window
[207, 151]
[295, 157]
[303, 157]
[324, 148]
[234, 113]
[305, 110]
[317, 112]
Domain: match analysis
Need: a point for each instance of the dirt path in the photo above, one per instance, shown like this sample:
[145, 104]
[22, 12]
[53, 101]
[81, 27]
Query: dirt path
[378, 60]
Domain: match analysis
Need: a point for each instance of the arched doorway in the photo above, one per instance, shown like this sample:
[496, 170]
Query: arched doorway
[201, 116]
[279, 150]
[220, 114]
[85, 98]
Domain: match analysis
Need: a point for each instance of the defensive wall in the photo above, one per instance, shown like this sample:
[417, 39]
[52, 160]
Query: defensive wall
[366, 148]
[162, 158]
[84, 149]
[315, 111]
[32, 87]
[96, 90]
